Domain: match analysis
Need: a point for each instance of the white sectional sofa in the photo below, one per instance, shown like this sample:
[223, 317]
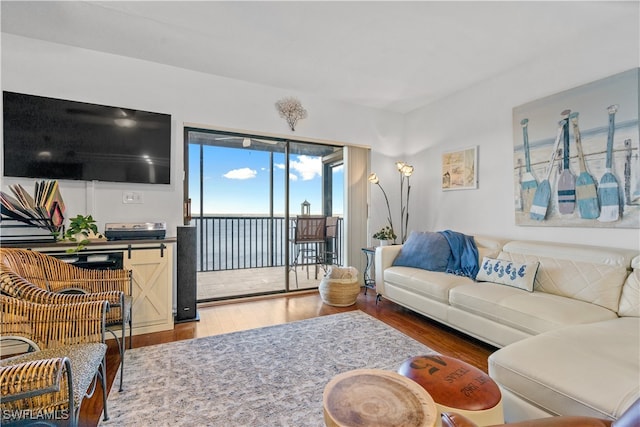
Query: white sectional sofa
[569, 347]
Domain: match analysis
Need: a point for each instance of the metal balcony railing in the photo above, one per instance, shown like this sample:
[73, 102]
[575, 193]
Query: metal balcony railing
[239, 242]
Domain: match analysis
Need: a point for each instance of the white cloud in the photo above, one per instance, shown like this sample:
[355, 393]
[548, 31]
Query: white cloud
[243, 173]
[307, 167]
[293, 177]
[279, 165]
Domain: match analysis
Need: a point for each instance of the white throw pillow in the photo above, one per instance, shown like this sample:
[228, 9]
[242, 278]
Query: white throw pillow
[508, 273]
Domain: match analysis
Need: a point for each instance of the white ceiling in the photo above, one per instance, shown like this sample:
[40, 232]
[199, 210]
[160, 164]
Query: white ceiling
[390, 55]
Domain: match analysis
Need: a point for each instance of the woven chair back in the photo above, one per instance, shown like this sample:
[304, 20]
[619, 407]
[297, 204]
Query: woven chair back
[53, 325]
[50, 273]
[26, 264]
[332, 227]
[310, 229]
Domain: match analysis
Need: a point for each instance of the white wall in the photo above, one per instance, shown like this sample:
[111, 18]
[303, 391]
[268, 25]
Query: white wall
[482, 116]
[47, 69]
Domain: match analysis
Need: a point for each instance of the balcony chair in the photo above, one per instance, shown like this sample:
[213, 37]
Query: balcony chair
[66, 359]
[51, 274]
[331, 245]
[309, 242]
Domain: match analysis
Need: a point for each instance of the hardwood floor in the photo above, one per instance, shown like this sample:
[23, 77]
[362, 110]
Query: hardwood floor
[241, 315]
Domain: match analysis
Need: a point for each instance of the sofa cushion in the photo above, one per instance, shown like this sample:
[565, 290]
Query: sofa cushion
[594, 283]
[508, 273]
[425, 250]
[587, 273]
[487, 247]
[592, 254]
[435, 285]
[589, 370]
[532, 313]
[630, 298]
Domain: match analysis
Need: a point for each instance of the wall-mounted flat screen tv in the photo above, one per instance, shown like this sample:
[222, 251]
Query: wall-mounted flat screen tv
[60, 139]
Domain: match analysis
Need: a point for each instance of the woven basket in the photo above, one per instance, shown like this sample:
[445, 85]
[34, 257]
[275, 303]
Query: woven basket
[340, 286]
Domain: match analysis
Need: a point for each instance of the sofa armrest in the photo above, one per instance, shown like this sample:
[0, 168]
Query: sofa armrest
[384, 257]
[451, 419]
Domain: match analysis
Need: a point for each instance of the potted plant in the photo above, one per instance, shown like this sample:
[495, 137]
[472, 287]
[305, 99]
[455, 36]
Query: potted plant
[80, 229]
[385, 235]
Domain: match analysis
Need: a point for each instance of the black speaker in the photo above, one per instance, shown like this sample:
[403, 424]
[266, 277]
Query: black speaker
[186, 310]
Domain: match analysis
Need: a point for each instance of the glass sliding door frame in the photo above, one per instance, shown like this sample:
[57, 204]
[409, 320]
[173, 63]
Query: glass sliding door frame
[275, 230]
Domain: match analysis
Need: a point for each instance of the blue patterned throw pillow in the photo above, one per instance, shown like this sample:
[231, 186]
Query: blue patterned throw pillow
[508, 273]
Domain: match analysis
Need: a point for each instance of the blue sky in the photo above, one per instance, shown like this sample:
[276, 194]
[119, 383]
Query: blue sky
[236, 181]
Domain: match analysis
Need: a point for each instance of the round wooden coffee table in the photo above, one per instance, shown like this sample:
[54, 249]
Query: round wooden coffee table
[374, 397]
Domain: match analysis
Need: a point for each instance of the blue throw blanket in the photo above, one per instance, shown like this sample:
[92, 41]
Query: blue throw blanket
[463, 260]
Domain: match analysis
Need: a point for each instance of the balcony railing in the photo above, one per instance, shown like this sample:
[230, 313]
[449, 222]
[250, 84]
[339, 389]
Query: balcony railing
[239, 242]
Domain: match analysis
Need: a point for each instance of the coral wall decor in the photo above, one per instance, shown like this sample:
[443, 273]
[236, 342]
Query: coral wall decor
[291, 110]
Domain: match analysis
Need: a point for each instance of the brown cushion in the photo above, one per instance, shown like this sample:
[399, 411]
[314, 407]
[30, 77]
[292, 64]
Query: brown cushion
[452, 382]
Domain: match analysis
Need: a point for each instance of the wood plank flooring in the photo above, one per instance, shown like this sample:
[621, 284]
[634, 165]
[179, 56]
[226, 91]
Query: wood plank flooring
[247, 314]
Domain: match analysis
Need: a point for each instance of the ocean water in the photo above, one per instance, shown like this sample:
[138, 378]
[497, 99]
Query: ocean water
[238, 242]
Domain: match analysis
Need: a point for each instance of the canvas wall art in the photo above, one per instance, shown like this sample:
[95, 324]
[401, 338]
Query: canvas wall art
[459, 169]
[576, 156]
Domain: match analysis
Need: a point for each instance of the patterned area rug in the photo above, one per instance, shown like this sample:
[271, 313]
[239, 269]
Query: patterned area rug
[271, 376]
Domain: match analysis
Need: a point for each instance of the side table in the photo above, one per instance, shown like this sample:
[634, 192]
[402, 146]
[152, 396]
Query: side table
[375, 397]
[369, 272]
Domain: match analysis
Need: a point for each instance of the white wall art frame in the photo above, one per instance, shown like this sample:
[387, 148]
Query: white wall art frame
[460, 169]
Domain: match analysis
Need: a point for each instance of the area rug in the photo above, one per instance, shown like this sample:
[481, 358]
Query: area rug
[272, 376]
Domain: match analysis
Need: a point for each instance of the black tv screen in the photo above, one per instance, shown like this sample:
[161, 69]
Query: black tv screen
[60, 139]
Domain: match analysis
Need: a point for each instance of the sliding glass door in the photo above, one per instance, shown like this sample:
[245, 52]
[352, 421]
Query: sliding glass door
[245, 193]
[315, 189]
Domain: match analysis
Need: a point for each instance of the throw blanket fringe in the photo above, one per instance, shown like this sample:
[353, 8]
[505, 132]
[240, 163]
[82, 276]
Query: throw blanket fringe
[464, 254]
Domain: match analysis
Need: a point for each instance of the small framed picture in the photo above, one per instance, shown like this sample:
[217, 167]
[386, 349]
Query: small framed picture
[460, 169]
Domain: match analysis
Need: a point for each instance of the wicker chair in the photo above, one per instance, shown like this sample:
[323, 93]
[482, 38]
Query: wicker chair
[51, 382]
[44, 382]
[13, 285]
[51, 274]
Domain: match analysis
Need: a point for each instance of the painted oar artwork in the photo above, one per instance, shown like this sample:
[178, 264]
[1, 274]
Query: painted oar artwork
[567, 181]
[608, 189]
[528, 183]
[635, 196]
[627, 171]
[586, 193]
[543, 192]
[631, 198]
[594, 178]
